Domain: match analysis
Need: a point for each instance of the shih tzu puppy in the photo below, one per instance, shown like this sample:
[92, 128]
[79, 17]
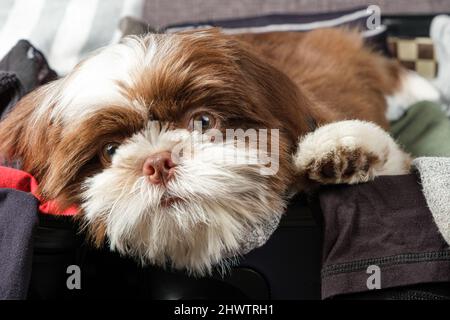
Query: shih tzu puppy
[176, 146]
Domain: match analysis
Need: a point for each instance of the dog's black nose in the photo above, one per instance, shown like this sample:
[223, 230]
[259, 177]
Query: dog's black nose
[159, 167]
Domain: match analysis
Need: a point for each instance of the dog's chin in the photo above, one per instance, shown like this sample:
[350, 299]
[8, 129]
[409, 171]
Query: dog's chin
[208, 214]
[183, 232]
[169, 201]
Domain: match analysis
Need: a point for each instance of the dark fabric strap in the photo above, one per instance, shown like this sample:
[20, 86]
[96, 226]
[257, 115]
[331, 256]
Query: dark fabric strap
[361, 265]
[10, 92]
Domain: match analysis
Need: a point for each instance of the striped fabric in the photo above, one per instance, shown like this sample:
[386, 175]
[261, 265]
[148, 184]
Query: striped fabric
[356, 17]
[160, 13]
[64, 30]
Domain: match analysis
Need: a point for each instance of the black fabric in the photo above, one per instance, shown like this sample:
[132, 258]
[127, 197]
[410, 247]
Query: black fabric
[29, 64]
[385, 223]
[10, 92]
[286, 267]
[18, 219]
[21, 70]
[273, 19]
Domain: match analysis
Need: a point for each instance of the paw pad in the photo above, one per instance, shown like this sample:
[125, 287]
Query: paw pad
[342, 165]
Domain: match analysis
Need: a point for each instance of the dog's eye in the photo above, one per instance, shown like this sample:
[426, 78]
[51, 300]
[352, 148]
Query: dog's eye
[108, 151]
[203, 121]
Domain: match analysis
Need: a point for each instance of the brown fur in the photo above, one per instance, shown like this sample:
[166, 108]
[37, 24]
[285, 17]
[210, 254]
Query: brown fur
[345, 79]
[289, 81]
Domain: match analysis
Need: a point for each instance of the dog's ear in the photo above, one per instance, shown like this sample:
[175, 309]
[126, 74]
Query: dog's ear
[25, 134]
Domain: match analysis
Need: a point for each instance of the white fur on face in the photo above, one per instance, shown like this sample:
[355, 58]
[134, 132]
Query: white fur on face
[97, 82]
[221, 202]
[94, 83]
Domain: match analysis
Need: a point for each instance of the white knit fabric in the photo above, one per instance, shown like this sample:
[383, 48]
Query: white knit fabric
[435, 176]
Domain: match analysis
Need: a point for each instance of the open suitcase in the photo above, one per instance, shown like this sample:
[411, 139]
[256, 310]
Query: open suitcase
[288, 266]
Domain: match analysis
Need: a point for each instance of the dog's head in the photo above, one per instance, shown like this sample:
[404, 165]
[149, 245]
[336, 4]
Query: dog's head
[175, 147]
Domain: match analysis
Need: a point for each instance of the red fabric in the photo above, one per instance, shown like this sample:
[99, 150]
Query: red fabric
[23, 181]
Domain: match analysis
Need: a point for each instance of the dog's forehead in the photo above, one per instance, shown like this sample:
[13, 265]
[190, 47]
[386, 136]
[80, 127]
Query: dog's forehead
[103, 80]
[139, 73]
[95, 83]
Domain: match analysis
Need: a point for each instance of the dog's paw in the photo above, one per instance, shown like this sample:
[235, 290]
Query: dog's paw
[343, 164]
[350, 151]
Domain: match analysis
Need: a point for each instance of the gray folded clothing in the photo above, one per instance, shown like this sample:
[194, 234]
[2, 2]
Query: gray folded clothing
[435, 177]
[400, 224]
[18, 220]
[385, 223]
